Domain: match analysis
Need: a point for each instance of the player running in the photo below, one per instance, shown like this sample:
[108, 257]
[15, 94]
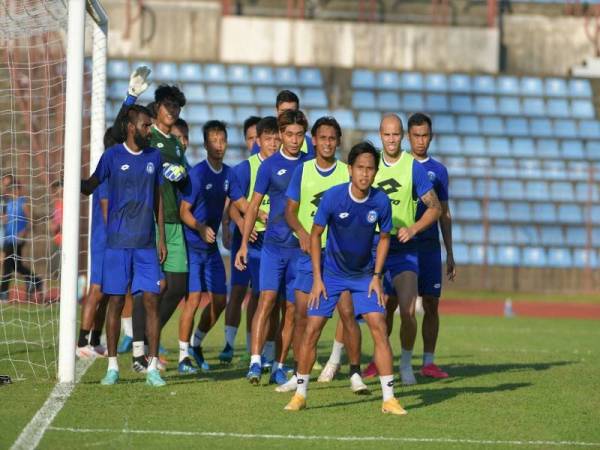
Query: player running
[132, 170]
[351, 212]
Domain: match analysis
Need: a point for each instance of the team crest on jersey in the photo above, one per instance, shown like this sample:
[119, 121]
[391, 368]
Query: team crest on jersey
[160, 145]
[431, 176]
[150, 168]
[208, 186]
[372, 216]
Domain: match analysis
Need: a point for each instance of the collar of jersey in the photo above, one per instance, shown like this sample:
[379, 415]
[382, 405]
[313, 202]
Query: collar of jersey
[131, 151]
[424, 160]
[167, 136]
[325, 170]
[212, 169]
[385, 163]
[289, 158]
[353, 198]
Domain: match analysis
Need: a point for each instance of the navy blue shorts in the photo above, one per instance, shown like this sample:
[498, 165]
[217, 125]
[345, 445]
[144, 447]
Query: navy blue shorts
[430, 272]
[278, 269]
[137, 268]
[206, 272]
[96, 264]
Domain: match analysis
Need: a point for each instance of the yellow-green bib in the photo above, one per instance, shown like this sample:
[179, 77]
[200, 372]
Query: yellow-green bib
[255, 163]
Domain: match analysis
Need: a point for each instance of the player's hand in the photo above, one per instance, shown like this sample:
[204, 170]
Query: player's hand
[241, 258]
[226, 237]
[450, 267]
[207, 234]
[253, 235]
[304, 239]
[405, 234]
[173, 172]
[162, 251]
[318, 290]
[262, 216]
[138, 81]
[376, 286]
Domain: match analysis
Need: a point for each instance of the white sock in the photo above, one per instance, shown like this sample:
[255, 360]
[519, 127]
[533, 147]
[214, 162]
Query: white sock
[276, 365]
[183, 350]
[230, 333]
[336, 352]
[112, 363]
[138, 349]
[406, 359]
[269, 350]
[248, 341]
[127, 326]
[387, 386]
[197, 338]
[427, 358]
[153, 363]
[302, 384]
[255, 359]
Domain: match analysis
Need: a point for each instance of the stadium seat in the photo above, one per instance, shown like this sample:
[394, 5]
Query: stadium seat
[262, 75]
[461, 104]
[526, 235]
[582, 109]
[411, 81]
[530, 168]
[548, 148]
[516, 126]
[560, 257]
[461, 254]
[558, 107]
[436, 103]
[541, 128]
[265, 111]
[570, 213]
[519, 212]
[242, 95]
[462, 188]
[532, 86]
[388, 80]
[534, 257]
[473, 146]
[492, 126]
[217, 94]
[509, 106]
[485, 104]
[482, 254]
[265, 96]
[587, 192]
[498, 146]
[500, 234]
[508, 255]
[496, 211]
[484, 84]
[551, 235]
[480, 167]
[536, 190]
[243, 112]
[214, 73]
[589, 129]
[533, 107]
[592, 150]
[345, 118]
[565, 128]
[166, 71]
[196, 114]
[576, 236]
[468, 125]
[314, 114]
[314, 98]
[544, 213]
[363, 79]
[473, 233]
[238, 74]
[369, 120]
[117, 69]
[555, 87]
[443, 123]
[413, 102]
[511, 189]
[456, 166]
[596, 237]
[572, 149]
[449, 145]
[190, 72]
[436, 82]
[468, 210]
[562, 191]
[584, 258]
[388, 101]
[363, 100]
[194, 92]
[111, 110]
[523, 147]
[310, 77]
[457, 234]
[459, 83]
[554, 169]
[507, 85]
[224, 113]
[286, 77]
[580, 88]
[578, 170]
[117, 90]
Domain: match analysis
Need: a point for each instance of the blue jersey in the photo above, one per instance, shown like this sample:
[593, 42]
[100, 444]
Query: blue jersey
[273, 178]
[307, 148]
[98, 238]
[16, 222]
[351, 229]
[438, 175]
[206, 192]
[132, 182]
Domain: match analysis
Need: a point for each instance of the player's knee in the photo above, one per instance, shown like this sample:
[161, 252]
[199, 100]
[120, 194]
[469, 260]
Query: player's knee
[430, 305]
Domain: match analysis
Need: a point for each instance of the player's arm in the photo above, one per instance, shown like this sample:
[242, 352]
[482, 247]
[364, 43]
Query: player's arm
[381, 253]
[249, 221]
[206, 233]
[88, 186]
[291, 217]
[429, 217]
[446, 228]
[160, 220]
[104, 208]
[236, 215]
[226, 237]
[318, 287]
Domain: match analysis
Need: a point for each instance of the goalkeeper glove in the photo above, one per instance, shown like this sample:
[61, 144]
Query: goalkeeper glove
[173, 172]
[138, 81]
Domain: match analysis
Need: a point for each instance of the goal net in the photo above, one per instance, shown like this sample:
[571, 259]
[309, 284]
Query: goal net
[33, 79]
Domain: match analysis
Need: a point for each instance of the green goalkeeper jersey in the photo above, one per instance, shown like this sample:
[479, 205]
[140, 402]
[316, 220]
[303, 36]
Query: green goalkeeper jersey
[171, 151]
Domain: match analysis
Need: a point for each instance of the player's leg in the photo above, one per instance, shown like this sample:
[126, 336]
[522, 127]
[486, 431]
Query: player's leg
[139, 362]
[99, 320]
[8, 267]
[127, 325]
[196, 283]
[405, 285]
[170, 298]
[250, 311]
[332, 366]
[88, 313]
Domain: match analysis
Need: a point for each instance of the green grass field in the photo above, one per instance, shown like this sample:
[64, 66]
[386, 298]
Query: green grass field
[528, 380]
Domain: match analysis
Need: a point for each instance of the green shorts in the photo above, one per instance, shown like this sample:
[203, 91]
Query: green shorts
[177, 255]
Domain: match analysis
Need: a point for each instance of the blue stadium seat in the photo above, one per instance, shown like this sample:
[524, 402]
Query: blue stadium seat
[265, 96]
[560, 257]
[526, 235]
[388, 80]
[436, 103]
[345, 118]
[544, 213]
[238, 74]
[456, 166]
[517, 126]
[436, 82]
[558, 107]
[508, 255]
[449, 145]
[492, 126]
[562, 191]
[262, 75]
[190, 72]
[310, 77]
[468, 210]
[554, 169]
[576, 236]
[530, 168]
[479, 167]
[584, 258]
[314, 98]
[215, 73]
[224, 113]
[461, 104]
[314, 114]
[194, 92]
[500, 234]
[508, 85]
[473, 233]
[551, 235]
[512, 189]
[363, 79]
[498, 146]
[166, 71]
[480, 254]
[596, 237]
[519, 212]
[117, 69]
[265, 111]
[580, 88]
[217, 94]
[587, 192]
[532, 86]
[443, 123]
[548, 148]
[117, 90]
[592, 150]
[555, 87]
[572, 149]
[570, 213]
[411, 81]
[485, 104]
[523, 147]
[286, 77]
[509, 106]
[533, 107]
[243, 112]
[582, 109]
[111, 109]
[473, 146]
[457, 234]
[459, 82]
[461, 254]
[196, 114]
[536, 190]
[242, 95]
[484, 84]
[468, 125]
[534, 257]
[565, 128]
[462, 188]
[388, 101]
[506, 167]
[369, 120]
[589, 129]
[578, 170]
[541, 128]
[496, 210]
[363, 100]
[413, 102]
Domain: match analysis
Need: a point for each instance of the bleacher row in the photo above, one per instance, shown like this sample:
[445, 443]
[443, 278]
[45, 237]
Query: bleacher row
[523, 153]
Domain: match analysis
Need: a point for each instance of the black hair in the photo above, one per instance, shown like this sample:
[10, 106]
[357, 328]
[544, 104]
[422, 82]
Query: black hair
[131, 116]
[286, 96]
[213, 125]
[172, 93]
[361, 148]
[250, 122]
[329, 122]
[290, 117]
[109, 138]
[152, 108]
[419, 119]
[182, 124]
[267, 125]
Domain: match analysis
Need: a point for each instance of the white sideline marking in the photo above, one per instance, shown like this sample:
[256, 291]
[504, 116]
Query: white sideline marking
[32, 434]
[299, 437]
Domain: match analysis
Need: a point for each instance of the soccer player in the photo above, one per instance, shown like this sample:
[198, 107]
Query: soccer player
[309, 182]
[280, 249]
[201, 210]
[132, 170]
[288, 101]
[351, 212]
[420, 133]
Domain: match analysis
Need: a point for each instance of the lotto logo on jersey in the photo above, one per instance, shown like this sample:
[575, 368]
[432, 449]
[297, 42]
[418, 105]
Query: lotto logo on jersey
[208, 186]
[372, 216]
[281, 172]
[317, 199]
[125, 167]
[150, 168]
[343, 215]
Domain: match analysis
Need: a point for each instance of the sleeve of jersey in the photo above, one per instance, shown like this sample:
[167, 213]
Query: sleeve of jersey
[310, 148]
[255, 149]
[421, 183]
[294, 188]
[102, 171]
[324, 210]
[235, 193]
[241, 176]
[103, 191]
[263, 179]
[159, 179]
[385, 216]
[443, 190]
[191, 187]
